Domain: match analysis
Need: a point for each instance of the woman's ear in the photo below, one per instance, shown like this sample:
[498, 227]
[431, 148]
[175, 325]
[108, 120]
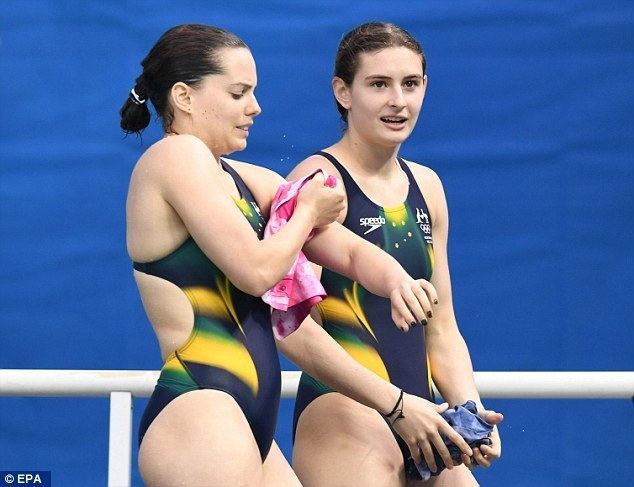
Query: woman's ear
[341, 90]
[180, 95]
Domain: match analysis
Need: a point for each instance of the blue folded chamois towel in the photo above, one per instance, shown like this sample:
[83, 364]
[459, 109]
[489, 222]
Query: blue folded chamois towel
[465, 420]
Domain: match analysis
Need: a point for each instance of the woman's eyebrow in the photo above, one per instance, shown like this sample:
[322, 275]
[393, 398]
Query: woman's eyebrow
[384, 77]
[241, 85]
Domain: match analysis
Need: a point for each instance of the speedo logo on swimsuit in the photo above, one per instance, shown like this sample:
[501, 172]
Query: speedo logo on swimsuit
[372, 222]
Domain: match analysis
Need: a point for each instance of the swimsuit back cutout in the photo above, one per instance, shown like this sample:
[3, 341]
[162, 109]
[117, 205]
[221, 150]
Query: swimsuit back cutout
[231, 346]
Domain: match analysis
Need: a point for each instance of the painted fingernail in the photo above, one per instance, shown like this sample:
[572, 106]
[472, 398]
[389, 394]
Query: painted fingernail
[413, 324]
[429, 314]
[423, 322]
[435, 301]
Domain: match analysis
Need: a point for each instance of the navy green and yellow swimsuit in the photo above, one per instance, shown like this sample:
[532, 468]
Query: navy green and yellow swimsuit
[361, 322]
[231, 347]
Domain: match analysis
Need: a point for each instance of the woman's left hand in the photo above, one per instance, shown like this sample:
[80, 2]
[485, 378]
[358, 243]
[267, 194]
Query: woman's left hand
[485, 455]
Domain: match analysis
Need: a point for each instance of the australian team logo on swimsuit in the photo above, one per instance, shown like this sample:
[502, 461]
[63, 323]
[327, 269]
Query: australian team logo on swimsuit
[256, 207]
[372, 222]
[422, 220]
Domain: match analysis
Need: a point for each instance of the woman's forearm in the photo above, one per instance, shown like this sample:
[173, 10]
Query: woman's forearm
[450, 363]
[319, 355]
[374, 269]
[356, 258]
[275, 255]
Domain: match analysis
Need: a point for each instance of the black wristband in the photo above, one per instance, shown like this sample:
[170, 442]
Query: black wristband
[397, 411]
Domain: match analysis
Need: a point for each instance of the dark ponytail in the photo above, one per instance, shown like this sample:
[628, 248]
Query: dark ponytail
[135, 114]
[185, 53]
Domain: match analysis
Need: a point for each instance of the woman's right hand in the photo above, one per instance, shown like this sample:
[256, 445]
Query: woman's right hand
[411, 302]
[322, 202]
[420, 427]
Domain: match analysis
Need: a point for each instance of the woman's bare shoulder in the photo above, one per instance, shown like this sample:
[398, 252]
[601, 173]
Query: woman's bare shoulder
[261, 181]
[175, 150]
[251, 171]
[310, 165]
[425, 176]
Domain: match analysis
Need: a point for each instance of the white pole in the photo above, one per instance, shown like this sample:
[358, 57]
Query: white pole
[140, 383]
[508, 385]
[120, 447]
[93, 383]
[555, 385]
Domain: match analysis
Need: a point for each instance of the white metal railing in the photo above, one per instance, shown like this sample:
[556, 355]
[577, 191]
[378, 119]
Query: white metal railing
[122, 385]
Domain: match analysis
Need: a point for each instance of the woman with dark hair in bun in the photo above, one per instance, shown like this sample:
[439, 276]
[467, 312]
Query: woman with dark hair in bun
[379, 84]
[195, 223]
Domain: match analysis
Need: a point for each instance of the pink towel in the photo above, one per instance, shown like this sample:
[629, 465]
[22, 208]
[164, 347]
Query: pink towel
[299, 290]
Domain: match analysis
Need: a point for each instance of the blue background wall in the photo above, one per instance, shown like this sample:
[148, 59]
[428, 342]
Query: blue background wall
[528, 121]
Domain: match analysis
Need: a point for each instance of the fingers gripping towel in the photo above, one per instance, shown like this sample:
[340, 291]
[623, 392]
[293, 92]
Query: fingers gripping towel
[465, 420]
[300, 289]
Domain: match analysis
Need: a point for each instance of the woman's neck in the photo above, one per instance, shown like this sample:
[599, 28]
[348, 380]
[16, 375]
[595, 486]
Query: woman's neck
[364, 157]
